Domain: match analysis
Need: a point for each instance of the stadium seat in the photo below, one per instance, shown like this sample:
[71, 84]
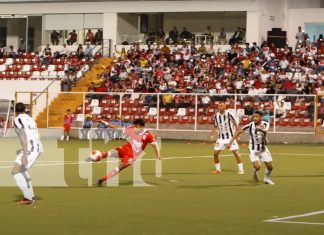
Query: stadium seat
[80, 118]
[96, 110]
[306, 122]
[295, 122]
[291, 114]
[52, 75]
[200, 112]
[162, 111]
[36, 75]
[87, 109]
[152, 112]
[191, 112]
[9, 61]
[115, 110]
[172, 111]
[3, 68]
[183, 119]
[244, 120]
[301, 114]
[94, 103]
[164, 119]
[181, 112]
[174, 119]
[203, 120]
[106, 110]
[26, 68]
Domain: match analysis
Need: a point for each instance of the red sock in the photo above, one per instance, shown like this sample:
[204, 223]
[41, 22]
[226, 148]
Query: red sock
[111, 174]
[104, 154]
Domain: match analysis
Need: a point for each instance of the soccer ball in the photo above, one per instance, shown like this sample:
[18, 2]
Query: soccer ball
[95, 155]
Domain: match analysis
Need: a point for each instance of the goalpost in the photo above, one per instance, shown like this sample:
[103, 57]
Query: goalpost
[319, 125]
[6, 114]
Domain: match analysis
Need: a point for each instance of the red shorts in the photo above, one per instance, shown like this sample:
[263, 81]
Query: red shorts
[67, 127]
[125, 155]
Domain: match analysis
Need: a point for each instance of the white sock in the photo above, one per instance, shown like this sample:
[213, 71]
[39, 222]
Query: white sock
[29, 183]
[25, 187]
[67, 137]
[240, 166]
[218, 166]
[267, 174]
[62, 138]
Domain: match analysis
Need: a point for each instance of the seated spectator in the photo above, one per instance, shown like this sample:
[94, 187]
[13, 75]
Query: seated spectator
[73, 38]
[80, 52]
[248, 110]
[55, 37]
[64, 52]
[87, 125]
[88, 51]
[150, 37]
[101, 130]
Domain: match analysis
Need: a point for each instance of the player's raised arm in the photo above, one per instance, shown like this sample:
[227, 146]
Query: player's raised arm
[111, 125]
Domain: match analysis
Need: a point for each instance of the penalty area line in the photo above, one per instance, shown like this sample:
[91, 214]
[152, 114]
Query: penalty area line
[288, 218]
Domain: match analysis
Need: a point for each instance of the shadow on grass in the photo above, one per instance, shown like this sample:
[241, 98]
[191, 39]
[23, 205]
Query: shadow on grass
[298, 176]
[249, 183]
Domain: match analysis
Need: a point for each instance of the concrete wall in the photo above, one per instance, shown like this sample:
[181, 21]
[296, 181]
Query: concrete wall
[298, 17]
[197, 22]
[127, 24]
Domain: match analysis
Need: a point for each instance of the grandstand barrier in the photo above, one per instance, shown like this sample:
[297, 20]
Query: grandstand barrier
[185, 111]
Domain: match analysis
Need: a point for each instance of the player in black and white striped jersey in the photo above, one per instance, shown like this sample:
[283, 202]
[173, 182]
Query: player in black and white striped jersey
[257, 130]
[26, 129]
[226, 126]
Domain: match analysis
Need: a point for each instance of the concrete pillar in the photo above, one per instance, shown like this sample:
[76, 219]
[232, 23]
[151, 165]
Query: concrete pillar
[253, 27]
[110, 27]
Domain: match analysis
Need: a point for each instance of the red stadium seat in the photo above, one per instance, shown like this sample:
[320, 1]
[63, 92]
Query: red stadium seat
[291, 114]
[200, 112]
[203, 120]
[191, 112]
[295, 122]
[164, 119]
[162, 111]
[174, 119]
[244, 120]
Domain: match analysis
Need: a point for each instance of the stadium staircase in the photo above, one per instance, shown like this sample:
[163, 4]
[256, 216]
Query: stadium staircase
[64, 101]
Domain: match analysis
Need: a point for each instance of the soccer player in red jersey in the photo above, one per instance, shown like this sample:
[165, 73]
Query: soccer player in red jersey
[68, 119]
[128, 153]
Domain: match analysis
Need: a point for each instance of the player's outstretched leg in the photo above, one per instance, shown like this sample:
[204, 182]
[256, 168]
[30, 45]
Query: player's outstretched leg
[113, 173]
[267, 174]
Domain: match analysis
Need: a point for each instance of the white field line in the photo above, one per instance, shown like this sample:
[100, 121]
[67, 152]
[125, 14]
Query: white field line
[59, 163]
[286, 219]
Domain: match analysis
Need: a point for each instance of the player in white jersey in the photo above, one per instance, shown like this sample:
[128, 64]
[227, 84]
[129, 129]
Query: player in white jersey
[226, 126]
[26, 129]
[257, 145]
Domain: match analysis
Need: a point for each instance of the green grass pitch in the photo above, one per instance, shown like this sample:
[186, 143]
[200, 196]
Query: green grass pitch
[186, 199]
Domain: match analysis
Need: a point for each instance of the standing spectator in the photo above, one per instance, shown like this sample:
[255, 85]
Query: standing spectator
[173, 35]
[68, 119]
[89, 37]
[73, 38]
[300, 36]
[22, 46]
[98, 37]
[55, 37]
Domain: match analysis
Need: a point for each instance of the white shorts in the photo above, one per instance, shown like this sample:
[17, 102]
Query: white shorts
[221, 144]
[31, 158]
[264, 156]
